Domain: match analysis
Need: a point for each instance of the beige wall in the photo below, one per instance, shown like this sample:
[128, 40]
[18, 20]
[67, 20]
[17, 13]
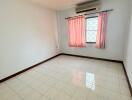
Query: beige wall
[28, 35]
[128, 52]
[116, 31]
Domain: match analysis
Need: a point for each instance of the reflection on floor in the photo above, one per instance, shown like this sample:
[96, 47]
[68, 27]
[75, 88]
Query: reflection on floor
[69, 78]
[90, 81]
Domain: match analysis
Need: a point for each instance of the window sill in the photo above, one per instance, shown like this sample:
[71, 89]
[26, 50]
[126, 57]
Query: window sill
[91, 42]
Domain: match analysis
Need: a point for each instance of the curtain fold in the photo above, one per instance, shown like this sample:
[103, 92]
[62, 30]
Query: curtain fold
[76, 34]
[102, 26]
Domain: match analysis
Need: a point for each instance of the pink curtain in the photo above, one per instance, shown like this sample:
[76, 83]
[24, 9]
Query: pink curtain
[76, 27]
[102, 26]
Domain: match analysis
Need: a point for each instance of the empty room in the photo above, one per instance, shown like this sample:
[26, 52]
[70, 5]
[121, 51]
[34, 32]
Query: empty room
[65, 49]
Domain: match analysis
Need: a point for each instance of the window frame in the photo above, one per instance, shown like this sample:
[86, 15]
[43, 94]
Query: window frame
[86, 27]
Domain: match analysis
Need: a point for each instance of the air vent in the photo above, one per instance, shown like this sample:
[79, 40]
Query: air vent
[93, 5]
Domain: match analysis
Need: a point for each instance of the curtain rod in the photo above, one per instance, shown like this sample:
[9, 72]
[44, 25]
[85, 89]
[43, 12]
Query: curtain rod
[92, 13]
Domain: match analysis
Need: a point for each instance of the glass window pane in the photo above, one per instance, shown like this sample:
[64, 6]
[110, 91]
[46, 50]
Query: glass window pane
[91, 36]
[91, 29]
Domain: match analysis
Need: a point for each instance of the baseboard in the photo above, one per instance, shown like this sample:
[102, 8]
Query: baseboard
[22, 71]
[128, 81]
[117, 61]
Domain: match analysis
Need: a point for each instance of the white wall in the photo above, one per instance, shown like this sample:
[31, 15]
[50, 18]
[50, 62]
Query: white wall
[128, 52]
[28, 35]
[117, 29]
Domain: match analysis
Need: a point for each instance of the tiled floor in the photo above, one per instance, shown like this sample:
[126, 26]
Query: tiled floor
[69, 78]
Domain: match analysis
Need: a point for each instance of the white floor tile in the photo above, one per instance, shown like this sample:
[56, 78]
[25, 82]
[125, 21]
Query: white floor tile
[69, 78]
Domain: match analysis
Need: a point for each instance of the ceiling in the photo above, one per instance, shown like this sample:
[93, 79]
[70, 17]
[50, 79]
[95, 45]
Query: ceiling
[57, 4]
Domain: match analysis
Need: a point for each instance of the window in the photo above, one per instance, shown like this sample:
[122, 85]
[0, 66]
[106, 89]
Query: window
[91, 29]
